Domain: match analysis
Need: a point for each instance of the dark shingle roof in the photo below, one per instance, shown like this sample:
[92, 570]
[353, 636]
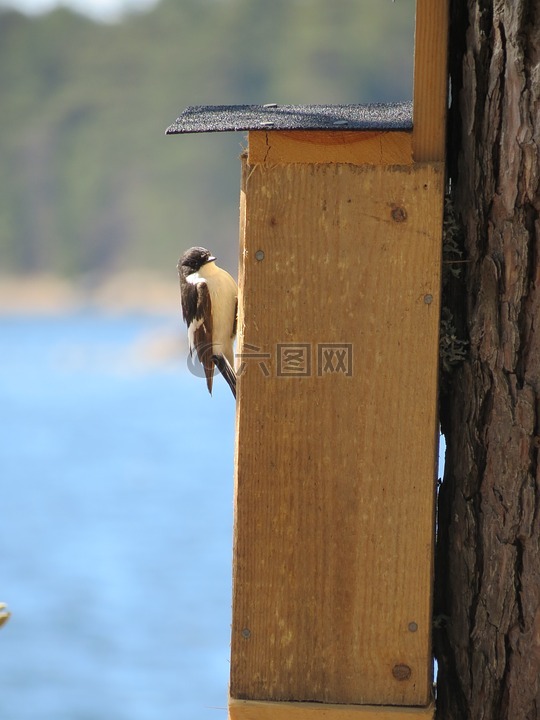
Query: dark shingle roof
[230, 118]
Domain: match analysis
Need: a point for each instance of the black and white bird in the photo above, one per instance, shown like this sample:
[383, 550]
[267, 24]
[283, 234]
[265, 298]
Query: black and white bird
[209, 308]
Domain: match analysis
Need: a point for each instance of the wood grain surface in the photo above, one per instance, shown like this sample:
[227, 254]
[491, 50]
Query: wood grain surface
[336, 428]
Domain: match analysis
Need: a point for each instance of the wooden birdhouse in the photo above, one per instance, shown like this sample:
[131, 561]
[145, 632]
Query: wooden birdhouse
[336, 427]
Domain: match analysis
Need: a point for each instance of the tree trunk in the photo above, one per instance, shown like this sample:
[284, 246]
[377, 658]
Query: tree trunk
[487, 613]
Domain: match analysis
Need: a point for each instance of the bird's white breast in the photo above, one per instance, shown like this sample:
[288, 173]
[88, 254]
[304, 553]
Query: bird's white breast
[223, 293]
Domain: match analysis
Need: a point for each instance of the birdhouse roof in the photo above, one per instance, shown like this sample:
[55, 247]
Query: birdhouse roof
[271, 116]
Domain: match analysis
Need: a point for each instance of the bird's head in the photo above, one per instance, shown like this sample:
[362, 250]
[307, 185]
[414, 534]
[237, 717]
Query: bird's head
[193, 259]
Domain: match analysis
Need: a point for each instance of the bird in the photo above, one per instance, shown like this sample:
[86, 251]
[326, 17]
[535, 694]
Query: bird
[209, 308]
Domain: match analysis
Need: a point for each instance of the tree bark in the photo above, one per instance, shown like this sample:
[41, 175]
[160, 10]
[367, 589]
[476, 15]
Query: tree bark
[487, 607]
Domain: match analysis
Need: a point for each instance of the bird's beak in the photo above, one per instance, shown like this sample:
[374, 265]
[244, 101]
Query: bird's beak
[211, 258]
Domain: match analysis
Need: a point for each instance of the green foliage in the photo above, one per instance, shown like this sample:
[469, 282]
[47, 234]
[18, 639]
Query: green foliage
[90, 184]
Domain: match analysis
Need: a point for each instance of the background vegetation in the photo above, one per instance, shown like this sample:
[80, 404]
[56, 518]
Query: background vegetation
[89, 183]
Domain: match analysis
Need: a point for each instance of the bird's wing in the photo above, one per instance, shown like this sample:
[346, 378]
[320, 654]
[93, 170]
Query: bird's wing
[197, 312]
[235, 323]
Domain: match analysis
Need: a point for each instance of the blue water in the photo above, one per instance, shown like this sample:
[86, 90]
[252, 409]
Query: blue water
[116, 473]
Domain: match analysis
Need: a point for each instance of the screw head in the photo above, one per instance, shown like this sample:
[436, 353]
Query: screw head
[428, 299]
[413, 627]
[246, 633]
[259, 255]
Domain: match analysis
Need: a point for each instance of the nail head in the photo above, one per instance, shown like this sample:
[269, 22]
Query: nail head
[401, 672]
[399, 214]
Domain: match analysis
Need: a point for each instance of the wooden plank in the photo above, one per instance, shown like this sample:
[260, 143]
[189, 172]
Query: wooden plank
[335, 471]
[430, 103]
[336, 146]
[250, 710]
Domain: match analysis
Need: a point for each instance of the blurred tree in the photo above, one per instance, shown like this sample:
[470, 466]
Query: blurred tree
[89, 182]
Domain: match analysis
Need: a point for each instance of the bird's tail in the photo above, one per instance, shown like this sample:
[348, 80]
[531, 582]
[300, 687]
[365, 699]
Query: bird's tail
[226, 370]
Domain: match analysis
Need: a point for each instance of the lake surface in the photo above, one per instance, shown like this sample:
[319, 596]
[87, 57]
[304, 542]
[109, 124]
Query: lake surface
[116, 477]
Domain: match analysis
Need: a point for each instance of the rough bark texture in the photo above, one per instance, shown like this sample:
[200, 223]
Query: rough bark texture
[488, 557]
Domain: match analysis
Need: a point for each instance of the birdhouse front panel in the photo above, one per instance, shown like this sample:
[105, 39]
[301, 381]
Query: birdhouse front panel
[336, 429]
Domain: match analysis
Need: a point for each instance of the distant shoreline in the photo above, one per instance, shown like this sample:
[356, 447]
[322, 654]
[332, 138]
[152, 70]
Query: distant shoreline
[127, 292]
